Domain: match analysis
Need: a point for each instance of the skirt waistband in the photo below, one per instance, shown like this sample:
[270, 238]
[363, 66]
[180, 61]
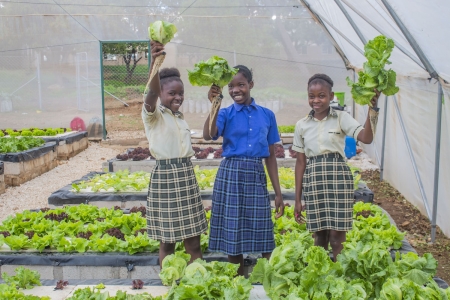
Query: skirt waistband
[326, 155]
[244, 158]
[173, 161]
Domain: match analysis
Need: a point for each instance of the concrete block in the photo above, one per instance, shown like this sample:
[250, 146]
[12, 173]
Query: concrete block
[91, 272]
[45, 271]
[65, 151]
[147, 272]
[2, 184]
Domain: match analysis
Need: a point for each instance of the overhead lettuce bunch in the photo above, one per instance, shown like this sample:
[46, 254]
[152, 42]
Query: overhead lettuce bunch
[377, 52]
[161, 31]
[213, 71]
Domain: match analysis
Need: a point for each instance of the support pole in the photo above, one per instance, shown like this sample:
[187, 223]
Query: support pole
[413, 161]
[353, 103]
[383, 144]
[436, 164]
[38, 75]
[103, 90]
[352, 23]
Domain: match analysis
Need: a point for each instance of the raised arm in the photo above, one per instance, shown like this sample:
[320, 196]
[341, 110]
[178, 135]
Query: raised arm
[207, 135]
[153, 94]
[366, 135]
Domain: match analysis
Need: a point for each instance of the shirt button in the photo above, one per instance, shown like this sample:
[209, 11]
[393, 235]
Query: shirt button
[250, 129]
[249, 116]
[249, 145]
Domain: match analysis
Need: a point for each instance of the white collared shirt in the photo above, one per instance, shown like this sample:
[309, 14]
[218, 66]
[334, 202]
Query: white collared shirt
[168, 133]
[315, 137]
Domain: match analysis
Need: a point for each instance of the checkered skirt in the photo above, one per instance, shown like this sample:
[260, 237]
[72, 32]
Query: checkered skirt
[175, 210]
[329, 193]
[241, 213]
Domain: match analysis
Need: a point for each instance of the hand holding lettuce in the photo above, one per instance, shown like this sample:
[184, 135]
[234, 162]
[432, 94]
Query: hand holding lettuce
[161, 32]
[374, 76]
[213, 72]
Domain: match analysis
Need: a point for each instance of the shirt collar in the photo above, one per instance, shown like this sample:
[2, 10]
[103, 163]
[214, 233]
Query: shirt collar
[331, 112]
[239, 107]
[177, 114]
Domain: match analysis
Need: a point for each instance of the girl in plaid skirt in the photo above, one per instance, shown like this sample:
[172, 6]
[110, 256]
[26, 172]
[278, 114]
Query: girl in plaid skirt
[175, 210]
[325, 179]
[241, 212]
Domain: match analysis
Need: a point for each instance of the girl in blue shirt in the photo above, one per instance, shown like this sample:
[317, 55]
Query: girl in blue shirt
[241, 212]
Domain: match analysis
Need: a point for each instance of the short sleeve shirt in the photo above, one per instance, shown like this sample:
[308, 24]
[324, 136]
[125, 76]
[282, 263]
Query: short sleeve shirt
[315, 137]
[247, 130]
[168, 133]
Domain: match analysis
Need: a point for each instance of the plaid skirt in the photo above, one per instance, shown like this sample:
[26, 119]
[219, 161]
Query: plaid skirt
[241, 219]
[175, 209]
[329, 193]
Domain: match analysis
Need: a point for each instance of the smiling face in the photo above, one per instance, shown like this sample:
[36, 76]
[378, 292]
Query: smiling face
[319, 97]
[172, 95]
[239, 89]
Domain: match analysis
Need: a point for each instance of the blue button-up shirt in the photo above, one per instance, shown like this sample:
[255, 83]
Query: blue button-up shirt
[247, 130]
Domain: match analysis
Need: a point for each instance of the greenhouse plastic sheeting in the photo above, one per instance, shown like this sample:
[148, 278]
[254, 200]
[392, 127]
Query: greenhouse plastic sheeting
[48, 77]
[29, 154]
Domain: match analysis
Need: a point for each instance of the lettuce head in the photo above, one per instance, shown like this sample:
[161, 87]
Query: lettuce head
[161, 31]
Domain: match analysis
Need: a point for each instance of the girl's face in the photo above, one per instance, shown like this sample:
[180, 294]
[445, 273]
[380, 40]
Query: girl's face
[319, 97]
[239, 89]
[172, 95]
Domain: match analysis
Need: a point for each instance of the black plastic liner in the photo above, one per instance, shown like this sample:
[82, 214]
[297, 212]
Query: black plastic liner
[2, 168]
[111, 259]
[29, 154]
[68, 139]
[64, 195]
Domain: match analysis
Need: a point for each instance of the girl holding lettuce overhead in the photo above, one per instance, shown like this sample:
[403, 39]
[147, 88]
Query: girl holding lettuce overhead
[241, 212]
[325, 179]
[175, 210]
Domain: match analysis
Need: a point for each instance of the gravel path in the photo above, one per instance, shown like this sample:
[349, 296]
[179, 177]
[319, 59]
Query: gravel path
[35, 193]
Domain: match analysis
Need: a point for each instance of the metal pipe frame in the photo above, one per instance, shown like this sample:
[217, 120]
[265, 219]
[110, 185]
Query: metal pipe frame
[383, 144]
[413, 160]
[352, 23]
[411, 40]
[437, 157]
[321, 18]
[380, 30]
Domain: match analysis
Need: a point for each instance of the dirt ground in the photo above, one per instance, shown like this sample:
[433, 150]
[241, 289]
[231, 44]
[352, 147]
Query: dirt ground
[120, 118]
[410, 220]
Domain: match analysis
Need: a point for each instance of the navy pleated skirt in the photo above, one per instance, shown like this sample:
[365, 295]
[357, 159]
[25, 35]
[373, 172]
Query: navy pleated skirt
[241, 213]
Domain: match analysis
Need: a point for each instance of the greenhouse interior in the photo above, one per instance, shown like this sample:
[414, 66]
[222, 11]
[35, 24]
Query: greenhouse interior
[68, 64]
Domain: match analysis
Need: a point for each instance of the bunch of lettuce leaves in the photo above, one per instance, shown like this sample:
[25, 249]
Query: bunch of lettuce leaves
[161, 31]
[213, 71]
[374, 76]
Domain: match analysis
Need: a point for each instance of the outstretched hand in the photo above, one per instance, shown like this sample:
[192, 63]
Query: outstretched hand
[298, 213]
[279, 207]
[213, 92]
[157, 49]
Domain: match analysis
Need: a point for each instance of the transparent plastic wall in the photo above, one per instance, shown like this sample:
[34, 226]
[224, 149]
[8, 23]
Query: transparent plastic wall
[60, 40]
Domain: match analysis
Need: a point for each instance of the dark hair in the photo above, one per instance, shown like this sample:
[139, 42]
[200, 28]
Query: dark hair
[167, 75]
[245, 72]
[320, 79]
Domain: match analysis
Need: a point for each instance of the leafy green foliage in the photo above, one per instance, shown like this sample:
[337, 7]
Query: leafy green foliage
[202, 280]
[10, 292]
[161, 31]
[13, 144]
[95, 293]
[120, 181]
[213, 71]
[33, 131]
[286, 128]
[24, 278]
[374, 76]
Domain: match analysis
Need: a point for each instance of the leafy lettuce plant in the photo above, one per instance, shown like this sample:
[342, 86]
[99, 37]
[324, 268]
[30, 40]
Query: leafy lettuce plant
[24, 278]
[374, 76]
[213, 71]
[162, 31]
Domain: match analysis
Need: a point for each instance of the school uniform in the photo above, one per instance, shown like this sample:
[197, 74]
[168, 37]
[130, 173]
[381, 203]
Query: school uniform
[327, 182]
[241, 213]
[175, 210]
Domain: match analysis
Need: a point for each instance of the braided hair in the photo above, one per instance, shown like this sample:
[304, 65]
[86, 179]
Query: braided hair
[322, 79]
[246, 72]
[167, 75]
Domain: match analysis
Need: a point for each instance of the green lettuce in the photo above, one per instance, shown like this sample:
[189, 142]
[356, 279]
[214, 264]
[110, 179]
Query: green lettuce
[377, 52]
[213, 71]
[161, 31]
